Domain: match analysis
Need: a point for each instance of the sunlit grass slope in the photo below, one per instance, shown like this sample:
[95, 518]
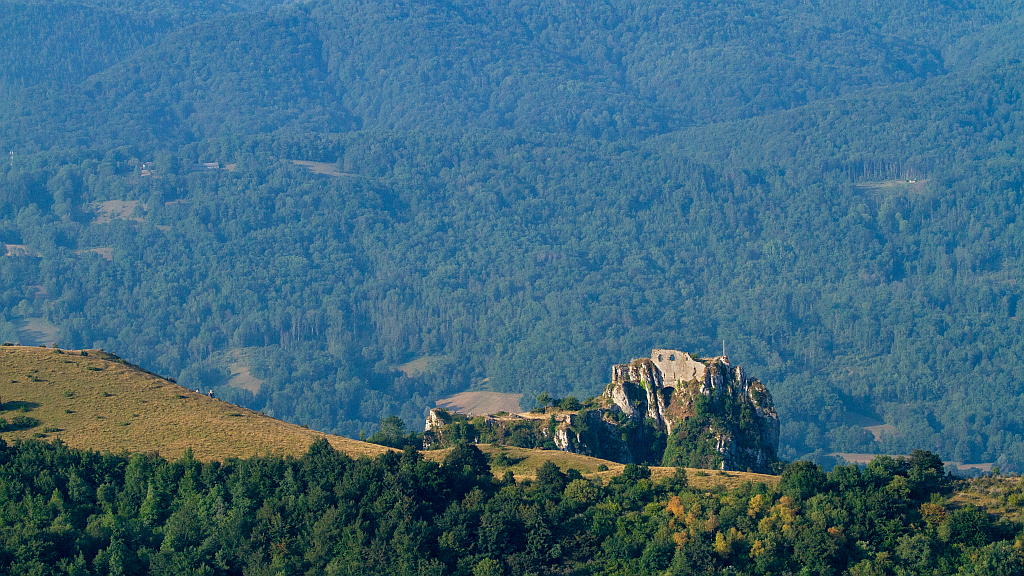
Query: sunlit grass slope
[97, 401]
[524, 463]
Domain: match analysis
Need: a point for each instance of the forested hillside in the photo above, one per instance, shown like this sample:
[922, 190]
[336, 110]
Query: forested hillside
[74, 512]
[521, 195]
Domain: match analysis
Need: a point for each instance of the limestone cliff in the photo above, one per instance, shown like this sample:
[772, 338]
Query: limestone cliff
[713, 414]
[670, 409]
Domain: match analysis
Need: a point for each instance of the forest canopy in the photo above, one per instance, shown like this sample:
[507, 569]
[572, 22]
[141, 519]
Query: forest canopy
[74, 512]
[526, 194]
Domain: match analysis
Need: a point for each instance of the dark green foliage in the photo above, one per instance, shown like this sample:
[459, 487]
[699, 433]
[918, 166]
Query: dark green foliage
[678, 481]
[503, 460]
[392, 433]
[19, 422]
[469, 458]
[533, 191]
[632, 473]
[570, 403]
[71, 512]
[693, 445]
[551, 480]
[801, 480]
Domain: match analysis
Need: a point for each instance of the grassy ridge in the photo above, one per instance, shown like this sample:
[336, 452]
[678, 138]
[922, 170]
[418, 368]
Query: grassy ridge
[96, 401]
[100, 402]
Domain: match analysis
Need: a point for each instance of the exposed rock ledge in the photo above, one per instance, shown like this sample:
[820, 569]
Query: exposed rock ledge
[699, 400]
[670, 409]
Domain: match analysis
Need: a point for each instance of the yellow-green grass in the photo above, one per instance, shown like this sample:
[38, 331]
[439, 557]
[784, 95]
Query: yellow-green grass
[526, 461]
[116, 210]
[100, 403]
[422, 365]
[1002, 496]
[238, 361]
[35, 330]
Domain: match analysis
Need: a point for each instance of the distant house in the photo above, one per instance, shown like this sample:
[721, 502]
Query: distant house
[206, 166]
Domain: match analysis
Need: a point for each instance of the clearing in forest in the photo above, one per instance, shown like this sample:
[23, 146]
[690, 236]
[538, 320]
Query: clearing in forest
[421, 365]
[19, 250]
[481, 403]
[106, 252]
[36, 331]
[241, 376]
[905, 186]
[870, 423]
[110, 210]
[880, 429]
[326, 168]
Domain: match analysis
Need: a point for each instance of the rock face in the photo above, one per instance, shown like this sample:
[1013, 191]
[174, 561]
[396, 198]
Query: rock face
[670, 409]
[713, 413]
[674, 409]
[435, 421]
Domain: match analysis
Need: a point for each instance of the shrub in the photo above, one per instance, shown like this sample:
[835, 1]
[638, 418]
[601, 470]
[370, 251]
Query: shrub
[502, 459]
[570, 403]
[19, 422]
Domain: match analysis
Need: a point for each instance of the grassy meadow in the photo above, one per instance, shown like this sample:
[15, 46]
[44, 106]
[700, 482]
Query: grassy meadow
[93, 400]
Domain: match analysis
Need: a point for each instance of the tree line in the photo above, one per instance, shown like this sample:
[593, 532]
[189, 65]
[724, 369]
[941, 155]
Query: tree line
[75, 512]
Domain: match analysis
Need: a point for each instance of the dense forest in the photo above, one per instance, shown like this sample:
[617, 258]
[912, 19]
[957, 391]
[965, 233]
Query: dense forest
[519, 195]
[68, 512]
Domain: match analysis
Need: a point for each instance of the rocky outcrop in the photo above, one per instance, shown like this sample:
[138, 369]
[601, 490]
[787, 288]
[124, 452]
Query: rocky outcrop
[699, 401]
[670, 409]
[436, 420]
[597, 433]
